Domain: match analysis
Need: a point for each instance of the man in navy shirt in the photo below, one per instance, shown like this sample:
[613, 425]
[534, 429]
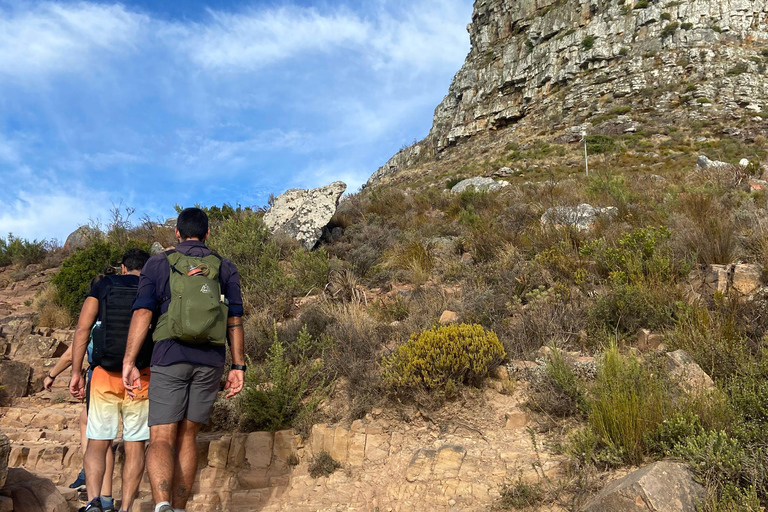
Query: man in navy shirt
[185, 377]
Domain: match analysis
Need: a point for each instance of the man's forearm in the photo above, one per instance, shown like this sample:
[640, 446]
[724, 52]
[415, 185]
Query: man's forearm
[62, 364]
[79, 343]
[140, 322]
[236, 339]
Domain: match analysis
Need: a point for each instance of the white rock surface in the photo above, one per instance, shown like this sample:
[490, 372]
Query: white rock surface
[479, 183]
[303, 213]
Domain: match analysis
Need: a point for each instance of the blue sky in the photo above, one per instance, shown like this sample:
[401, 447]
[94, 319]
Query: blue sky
[155, 102]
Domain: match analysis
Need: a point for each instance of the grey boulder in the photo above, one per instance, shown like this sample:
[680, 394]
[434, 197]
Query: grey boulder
[661, 487]
[582, 217]
[705, 163]
[302, 214]
[479, 183]
[80, 237]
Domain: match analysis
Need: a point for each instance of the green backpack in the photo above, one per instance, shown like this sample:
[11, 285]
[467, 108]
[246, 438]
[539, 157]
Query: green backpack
[197, 313]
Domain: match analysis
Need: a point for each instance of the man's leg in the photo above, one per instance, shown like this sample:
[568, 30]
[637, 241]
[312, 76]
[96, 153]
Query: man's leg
[186, 462]
[133, 470]
[95, 466]
[160, 460]
[103, 421]
[106, 484]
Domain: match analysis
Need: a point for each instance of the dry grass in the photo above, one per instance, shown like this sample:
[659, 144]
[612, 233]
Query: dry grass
[50, 314]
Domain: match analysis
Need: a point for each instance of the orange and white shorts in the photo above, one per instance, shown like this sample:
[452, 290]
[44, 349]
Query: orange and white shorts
[109, 402]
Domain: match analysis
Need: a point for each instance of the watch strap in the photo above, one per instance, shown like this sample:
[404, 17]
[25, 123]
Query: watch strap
[237, 367]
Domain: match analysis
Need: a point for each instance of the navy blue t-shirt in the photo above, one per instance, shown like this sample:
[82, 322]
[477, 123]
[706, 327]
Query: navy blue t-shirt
[154, 285]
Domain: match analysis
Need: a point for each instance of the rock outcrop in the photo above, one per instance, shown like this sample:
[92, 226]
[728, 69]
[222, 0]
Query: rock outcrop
[302, 214]
[661, 487]
[33, 494]
[479, 184]
[5, 453]
[553, 60]
[581, 217]
[80, 237]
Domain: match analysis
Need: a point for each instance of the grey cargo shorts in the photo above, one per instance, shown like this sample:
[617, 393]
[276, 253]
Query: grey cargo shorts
[182, 390]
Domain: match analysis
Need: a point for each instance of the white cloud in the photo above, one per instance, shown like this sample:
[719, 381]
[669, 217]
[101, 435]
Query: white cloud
[52, 214]
[258, 38]
[427, 35]
[52, 37]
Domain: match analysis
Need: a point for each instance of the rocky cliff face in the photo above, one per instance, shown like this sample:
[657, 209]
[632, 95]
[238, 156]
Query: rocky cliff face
[560, 62]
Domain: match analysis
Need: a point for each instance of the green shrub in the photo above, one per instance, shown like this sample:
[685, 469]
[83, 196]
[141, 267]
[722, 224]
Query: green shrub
[281, 395]
[21, 252]
[624, 51]
[588, 43]
[323, 465]
[626, 405]
[686, 26]
[246, 241]
[438, 356]
[73, 280]
[666, 16]
[670, 29]
[642, 4]
[558, 392]
[738, 69]
[625, 308]
[310, 269]
[600, 144]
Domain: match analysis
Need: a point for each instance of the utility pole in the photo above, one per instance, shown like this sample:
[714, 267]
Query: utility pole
[584, 140]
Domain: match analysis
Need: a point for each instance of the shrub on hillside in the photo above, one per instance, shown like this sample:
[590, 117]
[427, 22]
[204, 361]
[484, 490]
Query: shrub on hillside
[21, 252]
[443, 356]
[49, 312]
[73, 280]
[625, 308]
[558, 392]
[246, 241]
[626, 404]
[280, 394]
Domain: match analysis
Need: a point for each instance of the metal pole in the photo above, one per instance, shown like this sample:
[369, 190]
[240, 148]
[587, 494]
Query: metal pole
[586, 160]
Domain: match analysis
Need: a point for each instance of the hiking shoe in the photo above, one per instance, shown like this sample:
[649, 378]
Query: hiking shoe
[93, 506]
[166, 508]
[79, 482]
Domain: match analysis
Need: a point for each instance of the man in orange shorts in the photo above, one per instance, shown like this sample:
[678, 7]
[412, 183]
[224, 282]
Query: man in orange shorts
[108, 310]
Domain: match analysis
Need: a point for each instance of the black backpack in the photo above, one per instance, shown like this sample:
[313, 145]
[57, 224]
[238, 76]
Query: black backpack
[111, 334]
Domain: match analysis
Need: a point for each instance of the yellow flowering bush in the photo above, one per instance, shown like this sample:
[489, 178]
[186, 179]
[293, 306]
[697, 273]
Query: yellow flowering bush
[459, 353]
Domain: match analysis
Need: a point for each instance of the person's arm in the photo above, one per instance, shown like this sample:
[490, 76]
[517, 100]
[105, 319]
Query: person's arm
[235, 378]
[137, 333]
[62, 364]
[231, 278]
[88, 314]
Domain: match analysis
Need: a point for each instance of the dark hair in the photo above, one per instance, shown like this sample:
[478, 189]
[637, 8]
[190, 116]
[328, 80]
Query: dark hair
[134, 259]
[192, 223]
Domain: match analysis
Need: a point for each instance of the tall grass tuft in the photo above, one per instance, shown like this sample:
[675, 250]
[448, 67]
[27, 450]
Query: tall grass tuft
[627, 404]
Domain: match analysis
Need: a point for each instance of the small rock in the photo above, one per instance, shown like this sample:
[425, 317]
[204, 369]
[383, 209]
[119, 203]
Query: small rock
[467, 258]
[646, 340]
[449, 317]
[755, 184]
[743, 162]
[500, 373]
[517, 420]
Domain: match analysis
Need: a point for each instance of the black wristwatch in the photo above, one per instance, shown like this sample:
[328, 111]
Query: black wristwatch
[237, 367]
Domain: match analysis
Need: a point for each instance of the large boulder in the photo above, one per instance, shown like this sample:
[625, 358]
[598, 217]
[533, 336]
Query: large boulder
[302, 214]
[5, 454]
[14, 376]
[705, 163]
[479, 183]
[32, 494]
[661, 487]
[582, 217]
[80, 237]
